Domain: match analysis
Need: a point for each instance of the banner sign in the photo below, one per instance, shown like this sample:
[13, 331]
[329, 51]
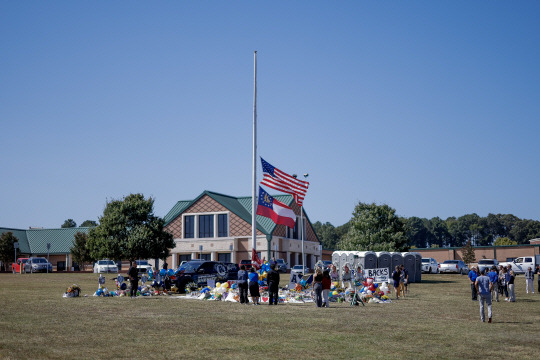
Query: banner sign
[378, 275]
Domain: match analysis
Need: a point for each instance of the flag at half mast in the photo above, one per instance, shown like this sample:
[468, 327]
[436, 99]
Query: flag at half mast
[278, 180]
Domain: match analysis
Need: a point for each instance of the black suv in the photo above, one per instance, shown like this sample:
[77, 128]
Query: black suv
[200, 272]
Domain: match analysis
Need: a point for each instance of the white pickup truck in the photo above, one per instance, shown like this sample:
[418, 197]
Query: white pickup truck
[522, 263]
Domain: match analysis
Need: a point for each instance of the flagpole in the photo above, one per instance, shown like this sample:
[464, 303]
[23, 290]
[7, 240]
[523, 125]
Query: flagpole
[254, 192]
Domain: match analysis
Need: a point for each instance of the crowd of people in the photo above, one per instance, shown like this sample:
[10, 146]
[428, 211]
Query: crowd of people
[492, 283]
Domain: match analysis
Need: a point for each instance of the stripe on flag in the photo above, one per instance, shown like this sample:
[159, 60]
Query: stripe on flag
[281, 181]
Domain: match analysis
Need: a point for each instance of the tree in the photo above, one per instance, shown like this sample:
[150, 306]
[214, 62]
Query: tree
[439, 232]
[468, 253]
[504, 241]
[89, 223]
[129, 230]
[416, 231]
[79, 251]
[69, 223]
[327, 234]
[376, 228]
[7, 249]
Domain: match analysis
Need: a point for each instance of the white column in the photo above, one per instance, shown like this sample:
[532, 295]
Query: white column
[213, 256]
[297, 259]
[288, 255]
[174, 260]
[194, 255]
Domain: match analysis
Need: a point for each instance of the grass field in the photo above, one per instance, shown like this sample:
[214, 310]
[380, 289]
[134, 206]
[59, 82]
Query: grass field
[437, 320]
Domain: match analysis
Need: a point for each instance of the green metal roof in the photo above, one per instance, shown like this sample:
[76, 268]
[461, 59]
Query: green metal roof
[24, 248]
[61, 240]
[240, 206]
[34, 241]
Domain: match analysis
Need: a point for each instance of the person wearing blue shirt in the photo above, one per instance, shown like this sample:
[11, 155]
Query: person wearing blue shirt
[473, 274]
[484, 286]
[254, 286]
[494, 280]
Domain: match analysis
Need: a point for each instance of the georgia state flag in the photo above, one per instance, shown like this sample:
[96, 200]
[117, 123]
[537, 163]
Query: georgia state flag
[275, 210]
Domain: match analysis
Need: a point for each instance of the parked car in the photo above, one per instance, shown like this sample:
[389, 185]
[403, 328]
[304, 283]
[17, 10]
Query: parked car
[282, 265]
[298, 269]
[19, 265]
[199, 272]
[487, 263]
[232, 271]
[37, 264]
[143, 266]
[247, 263]
[327, 265]
[522, 263]
[454, 266]
[430, 266]
[105, 266]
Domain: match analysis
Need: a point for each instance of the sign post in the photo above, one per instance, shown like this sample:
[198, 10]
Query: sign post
[16, 246]
[48, 249]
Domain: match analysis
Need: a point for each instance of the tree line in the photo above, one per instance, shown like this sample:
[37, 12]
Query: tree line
[377, 228]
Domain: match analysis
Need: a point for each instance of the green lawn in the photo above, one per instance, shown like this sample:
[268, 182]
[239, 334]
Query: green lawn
[437, 320]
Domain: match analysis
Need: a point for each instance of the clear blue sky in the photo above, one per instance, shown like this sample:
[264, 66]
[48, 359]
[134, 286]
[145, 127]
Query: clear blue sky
[431, 107]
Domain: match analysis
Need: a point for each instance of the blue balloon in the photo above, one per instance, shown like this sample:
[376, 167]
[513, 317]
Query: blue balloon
[170, 272]
[154, 283]
[123, 286]
[150, 273]
[205, 290]
[99, 292]
[162, 272]
[376, 285]
[139, 288]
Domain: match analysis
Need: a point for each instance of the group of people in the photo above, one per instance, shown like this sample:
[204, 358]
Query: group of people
[492, 283]
[400, 277]
[250, 280]
[322, 282]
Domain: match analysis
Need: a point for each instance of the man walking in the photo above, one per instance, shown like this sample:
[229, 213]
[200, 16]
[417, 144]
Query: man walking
[473, 274]
[529, 278]
[273, 285]
[483, 287]
[494, 279]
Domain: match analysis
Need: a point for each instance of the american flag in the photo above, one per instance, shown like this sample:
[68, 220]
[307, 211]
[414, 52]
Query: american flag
[278, 180]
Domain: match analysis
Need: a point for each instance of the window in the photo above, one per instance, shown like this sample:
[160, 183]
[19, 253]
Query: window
[189, 227]
[206, 226]
[223, 230]
[204, 257]
[184, 257]
[295, 233]
[226, 257]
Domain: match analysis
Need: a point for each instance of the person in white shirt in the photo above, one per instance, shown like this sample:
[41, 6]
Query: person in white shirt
[529, 278]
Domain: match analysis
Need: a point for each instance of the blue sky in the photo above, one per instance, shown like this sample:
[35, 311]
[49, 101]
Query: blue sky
[428, 106]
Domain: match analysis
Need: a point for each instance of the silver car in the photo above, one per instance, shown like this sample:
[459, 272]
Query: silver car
[37, 264]
[454, 266]
[487, 264]
[105, 266]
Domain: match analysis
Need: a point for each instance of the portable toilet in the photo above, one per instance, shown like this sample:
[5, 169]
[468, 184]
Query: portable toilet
[368, 259]
[384, 260]
[409, 262]
[397, 260]
[336, 256]
[418, 268]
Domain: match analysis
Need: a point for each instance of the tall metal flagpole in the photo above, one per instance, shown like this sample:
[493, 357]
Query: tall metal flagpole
[254, 192]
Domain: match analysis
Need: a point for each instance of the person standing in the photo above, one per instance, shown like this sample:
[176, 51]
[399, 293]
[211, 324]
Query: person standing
[405, 279]
[273, 285]
[334, 275]
[483, 288]
[510, 278]
[473, 274]
[538, 277]
[254, 286]
[243, 285]
[529, 280]
[133, 275]
[503, 283]
[326, 285]
[396, 275]
[317, 287]
[494, 279]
